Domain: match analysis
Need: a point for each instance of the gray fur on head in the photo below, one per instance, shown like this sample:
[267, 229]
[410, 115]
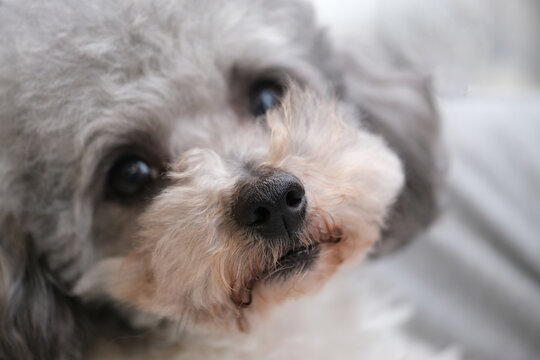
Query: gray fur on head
[81, 82]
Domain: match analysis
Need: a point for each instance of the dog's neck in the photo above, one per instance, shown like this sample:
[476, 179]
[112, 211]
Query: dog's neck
[347, 320]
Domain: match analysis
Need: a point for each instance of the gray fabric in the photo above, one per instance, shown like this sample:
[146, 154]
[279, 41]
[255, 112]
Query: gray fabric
[475, 276]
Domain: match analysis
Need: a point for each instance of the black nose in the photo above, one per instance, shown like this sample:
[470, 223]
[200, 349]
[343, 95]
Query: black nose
[274, 205]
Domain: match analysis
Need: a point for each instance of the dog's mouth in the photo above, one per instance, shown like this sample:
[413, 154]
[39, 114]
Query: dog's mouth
[296, 260]
[301, 258]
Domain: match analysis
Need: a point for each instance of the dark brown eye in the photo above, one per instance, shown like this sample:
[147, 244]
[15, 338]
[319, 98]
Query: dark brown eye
[264, 95]
[131, 176]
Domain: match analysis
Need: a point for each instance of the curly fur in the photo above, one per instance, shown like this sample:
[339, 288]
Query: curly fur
[81, 83]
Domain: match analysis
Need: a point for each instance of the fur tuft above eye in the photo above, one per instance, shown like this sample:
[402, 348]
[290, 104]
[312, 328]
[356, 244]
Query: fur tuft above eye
[264, 95]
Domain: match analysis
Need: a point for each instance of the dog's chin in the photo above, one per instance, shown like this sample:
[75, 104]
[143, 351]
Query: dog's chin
[301, 270]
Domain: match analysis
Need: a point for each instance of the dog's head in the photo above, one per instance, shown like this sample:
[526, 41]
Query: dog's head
[199, 161]
[252, 213]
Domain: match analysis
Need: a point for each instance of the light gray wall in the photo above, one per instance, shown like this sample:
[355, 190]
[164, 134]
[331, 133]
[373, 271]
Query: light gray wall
[478, 43]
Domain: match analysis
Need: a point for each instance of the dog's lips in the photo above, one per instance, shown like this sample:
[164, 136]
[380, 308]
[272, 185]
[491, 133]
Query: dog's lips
[301, 258]
[297, 259]
[295, 254]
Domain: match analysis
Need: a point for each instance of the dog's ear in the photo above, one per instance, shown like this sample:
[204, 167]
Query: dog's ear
[398, 105]
[36, 317]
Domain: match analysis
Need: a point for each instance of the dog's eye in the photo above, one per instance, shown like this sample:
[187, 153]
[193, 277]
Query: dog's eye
[264, 95]
[131, 176]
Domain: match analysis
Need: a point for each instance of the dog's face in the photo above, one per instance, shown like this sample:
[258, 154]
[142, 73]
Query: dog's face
[200, 161]
[222, 185]
[250, 214]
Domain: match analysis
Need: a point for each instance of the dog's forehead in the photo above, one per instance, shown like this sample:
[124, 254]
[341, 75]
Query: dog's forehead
[110, 67]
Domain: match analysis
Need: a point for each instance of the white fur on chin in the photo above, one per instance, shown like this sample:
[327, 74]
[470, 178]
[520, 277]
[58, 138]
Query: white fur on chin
[349, 319]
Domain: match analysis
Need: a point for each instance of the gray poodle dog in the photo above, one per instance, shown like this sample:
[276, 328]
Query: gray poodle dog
[187, 179]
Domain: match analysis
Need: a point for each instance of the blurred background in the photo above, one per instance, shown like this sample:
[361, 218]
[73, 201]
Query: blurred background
[474, 277]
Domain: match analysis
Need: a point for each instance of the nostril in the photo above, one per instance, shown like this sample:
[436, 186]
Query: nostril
[294, 198]
[260, 216]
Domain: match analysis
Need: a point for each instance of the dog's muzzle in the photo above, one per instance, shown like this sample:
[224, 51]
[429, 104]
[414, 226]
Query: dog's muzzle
[272, 204]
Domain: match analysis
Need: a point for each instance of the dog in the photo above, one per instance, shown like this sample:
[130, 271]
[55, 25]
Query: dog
[191, 180]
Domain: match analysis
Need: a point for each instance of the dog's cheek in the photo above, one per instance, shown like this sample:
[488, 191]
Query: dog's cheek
[351, 176]
[179, 268]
